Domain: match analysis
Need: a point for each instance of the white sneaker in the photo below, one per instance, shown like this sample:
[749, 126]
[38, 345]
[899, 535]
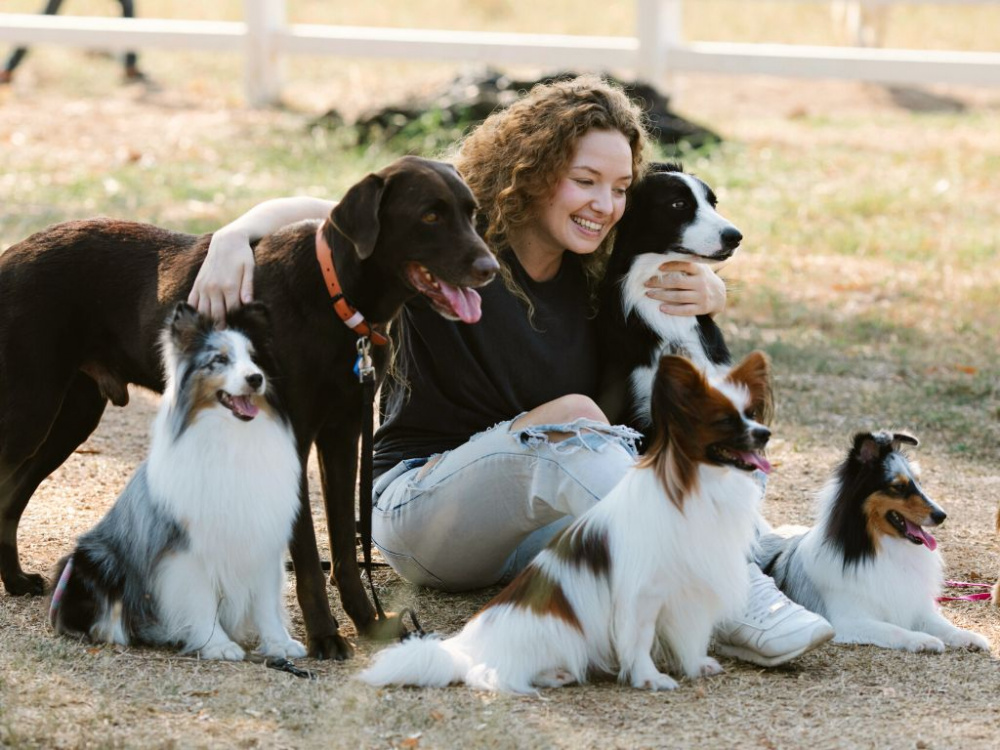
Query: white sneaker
[773, 629]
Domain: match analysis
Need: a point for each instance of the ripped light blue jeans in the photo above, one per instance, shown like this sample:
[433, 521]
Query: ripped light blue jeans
[479, 514]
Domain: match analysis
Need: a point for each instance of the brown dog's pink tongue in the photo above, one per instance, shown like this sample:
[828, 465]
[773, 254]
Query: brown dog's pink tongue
[918, 533]
[245, 407]
[465, 303]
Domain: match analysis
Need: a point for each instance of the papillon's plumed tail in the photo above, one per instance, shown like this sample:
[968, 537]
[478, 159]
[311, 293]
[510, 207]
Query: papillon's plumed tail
[427, 662]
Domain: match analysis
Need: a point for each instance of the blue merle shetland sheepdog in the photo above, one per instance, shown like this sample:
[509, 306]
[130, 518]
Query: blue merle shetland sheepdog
[639, 581]
[191, 553]
[870, 566]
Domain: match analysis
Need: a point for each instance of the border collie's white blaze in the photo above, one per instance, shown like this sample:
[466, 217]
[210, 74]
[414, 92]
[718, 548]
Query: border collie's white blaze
[641, 577]
[869, 566]
[192, 551]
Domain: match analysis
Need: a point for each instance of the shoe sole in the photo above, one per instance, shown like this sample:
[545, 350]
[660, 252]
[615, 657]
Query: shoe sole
[745, 654]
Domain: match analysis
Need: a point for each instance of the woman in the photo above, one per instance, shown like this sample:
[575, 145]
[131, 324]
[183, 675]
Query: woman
[491, 440]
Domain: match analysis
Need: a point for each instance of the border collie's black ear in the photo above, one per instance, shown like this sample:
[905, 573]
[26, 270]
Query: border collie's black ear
[356, 216]
[186, 326]
[903, 438]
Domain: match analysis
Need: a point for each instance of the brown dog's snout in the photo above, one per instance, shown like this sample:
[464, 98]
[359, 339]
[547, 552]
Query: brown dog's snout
[484, 269]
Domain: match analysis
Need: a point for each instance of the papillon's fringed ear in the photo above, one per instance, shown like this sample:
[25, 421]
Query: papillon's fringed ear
[755, 373]
[356, 215]
[899, 439]
[187, 326]
[676, 380]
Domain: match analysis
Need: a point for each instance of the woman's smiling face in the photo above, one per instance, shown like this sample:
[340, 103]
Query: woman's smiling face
[588, 200]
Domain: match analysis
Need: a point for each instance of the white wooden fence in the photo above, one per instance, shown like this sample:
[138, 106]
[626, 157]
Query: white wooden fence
[657, 48]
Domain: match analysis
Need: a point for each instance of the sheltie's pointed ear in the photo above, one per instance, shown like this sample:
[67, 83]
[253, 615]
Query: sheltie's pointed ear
[356, 215]
[868, 446]
[755, 373]
[187, 327]
[900, 439]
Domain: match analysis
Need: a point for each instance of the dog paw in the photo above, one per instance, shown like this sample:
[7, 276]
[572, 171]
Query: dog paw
[708, 667]
[655, 681]
[554, 678]
[333, 646]
[290, 649]
[968, 639]
[226, 651]
[24, 584]
[925, 644]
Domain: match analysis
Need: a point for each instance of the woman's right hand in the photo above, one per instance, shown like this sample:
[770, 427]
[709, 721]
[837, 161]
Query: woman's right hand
[225, 281]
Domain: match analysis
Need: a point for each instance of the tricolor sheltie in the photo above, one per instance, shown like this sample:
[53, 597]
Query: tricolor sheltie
[640, 578]
[671, 216]
[192, 551]
[869, 566]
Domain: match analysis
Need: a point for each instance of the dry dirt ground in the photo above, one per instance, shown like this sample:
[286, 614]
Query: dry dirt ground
[58, 693]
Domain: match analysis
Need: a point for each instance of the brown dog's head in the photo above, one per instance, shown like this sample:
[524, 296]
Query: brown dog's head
[415, 220]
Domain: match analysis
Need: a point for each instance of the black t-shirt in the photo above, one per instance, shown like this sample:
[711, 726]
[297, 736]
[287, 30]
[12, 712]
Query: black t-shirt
[462, 379]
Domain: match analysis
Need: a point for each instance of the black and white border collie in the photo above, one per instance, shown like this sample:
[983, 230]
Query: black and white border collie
[671, 216]
[192, 551]
[638, 581]
[869, 566]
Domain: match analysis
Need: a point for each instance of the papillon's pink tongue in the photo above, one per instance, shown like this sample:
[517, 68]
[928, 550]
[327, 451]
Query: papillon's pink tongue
[245, 407]
[916, 532]
[465, 303]
[755, 459]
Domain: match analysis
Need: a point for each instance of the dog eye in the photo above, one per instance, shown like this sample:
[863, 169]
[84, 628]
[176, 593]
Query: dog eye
[220, 359]
[681, 204]
[431, 217]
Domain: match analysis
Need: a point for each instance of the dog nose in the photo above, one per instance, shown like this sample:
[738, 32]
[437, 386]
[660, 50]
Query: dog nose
[938, 516]
[731, 238]
[761, 435]
[485, 268]
[255, 380]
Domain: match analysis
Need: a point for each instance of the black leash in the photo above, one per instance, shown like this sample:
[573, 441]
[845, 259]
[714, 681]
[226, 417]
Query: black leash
[366, 375]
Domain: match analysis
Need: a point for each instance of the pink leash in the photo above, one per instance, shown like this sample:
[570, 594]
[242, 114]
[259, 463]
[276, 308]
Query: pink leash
[968, 597]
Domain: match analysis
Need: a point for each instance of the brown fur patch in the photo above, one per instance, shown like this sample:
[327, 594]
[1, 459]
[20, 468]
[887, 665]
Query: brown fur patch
[536, 591]
[204, 395]
[877, 505]
[584, 547]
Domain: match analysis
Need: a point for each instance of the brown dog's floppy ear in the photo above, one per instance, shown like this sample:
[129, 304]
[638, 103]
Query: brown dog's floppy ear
[356, 216]
[187, 327]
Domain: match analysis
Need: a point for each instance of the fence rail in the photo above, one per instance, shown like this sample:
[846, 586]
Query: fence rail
[658, 48]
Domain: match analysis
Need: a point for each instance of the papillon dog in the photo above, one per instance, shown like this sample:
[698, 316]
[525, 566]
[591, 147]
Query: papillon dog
[870, 566]
[640, 579]
[191, 553]
[671, 216]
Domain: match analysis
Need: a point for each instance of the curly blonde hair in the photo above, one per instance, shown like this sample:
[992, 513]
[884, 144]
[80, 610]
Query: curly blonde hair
[516, 157]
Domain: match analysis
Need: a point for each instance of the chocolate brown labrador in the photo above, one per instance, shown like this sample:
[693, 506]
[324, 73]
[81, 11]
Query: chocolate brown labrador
[82, 305]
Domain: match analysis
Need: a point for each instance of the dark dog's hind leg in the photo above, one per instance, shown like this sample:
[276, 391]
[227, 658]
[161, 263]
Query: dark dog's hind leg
[76, 419]
[323, 638]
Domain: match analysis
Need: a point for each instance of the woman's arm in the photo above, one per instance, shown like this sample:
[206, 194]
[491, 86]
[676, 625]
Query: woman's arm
[688, 289]
[225, 280]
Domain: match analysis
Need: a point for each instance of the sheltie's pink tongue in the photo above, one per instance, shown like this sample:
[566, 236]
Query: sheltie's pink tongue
[244, 407]
[465, 303]
[918, 534]
[755, 459]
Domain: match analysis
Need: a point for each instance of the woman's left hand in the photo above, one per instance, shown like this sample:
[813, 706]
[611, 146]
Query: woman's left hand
[685, 288]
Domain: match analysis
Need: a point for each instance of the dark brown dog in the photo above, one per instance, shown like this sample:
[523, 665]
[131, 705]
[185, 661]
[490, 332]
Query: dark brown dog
[82, 305]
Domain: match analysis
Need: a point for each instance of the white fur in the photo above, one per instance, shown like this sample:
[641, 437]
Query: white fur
[673, 576]
[889, 601]
[233, 487]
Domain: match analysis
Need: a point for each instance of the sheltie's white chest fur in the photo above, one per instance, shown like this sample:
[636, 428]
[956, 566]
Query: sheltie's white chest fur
[231, 485]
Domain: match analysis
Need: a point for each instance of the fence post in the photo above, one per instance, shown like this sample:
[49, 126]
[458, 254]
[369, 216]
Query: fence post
[659, 25]
[262, 68]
